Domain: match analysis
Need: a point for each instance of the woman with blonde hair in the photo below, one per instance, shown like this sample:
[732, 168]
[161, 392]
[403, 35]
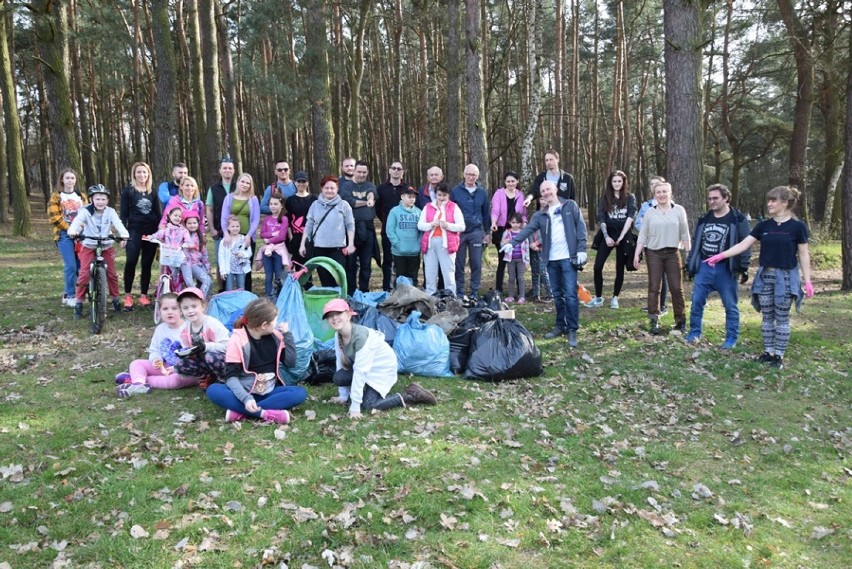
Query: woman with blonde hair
[140, 213]
[244, 205]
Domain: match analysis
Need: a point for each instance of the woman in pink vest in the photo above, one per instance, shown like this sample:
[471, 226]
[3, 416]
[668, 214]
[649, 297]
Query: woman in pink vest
[441, 222]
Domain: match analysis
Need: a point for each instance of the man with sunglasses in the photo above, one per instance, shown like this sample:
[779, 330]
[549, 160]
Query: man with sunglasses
[718, 230]
[283, 184]
[388, 197]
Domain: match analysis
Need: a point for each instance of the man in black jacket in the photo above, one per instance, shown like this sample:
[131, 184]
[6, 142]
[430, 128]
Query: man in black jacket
[719, 229]
[389, 195]
[563, 180]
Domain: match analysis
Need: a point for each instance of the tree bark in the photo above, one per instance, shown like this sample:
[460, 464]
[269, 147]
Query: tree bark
[232, 143]
[454, 74]
[12, 126]
[50, 24]
[846, 197]
[212, 92]
[318, 86]
[476, 125]
[533, 57]
[206, 162]
[165, 116]
[684, 141]
[801, 44]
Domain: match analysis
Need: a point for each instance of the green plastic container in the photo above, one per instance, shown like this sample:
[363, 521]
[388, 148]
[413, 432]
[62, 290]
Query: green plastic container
[315, 300]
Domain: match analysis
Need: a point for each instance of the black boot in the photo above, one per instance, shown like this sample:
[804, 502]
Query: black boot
[78, 311]
[655, 327]
[414, 394]
[681, 327]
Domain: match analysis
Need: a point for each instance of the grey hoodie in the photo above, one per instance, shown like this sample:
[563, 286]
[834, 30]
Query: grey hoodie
[331, 232]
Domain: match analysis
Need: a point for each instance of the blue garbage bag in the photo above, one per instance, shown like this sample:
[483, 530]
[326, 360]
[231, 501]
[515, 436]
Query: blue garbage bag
[372, 298]
[370, 317]
[291, 309]
[227, 306]
[402, 279]
[422, 349]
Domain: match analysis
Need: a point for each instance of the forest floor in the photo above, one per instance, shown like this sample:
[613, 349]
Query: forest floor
[630, 451]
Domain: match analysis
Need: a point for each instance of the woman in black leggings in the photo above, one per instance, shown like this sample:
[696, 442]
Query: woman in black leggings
[140, 213]
[616, 210]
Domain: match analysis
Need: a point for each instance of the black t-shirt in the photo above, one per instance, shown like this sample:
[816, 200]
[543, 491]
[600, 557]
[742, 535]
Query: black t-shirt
[511, 204]
[779, 243]
[297, 210]
[714, 238]
[263, 354]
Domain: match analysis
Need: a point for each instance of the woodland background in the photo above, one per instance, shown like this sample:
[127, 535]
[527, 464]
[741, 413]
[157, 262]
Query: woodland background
[752, 94]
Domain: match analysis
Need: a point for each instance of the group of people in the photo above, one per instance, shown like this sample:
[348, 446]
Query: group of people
[244, 372]
[446, 230]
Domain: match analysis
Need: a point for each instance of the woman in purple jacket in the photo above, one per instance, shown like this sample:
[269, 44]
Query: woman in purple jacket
[506, 201]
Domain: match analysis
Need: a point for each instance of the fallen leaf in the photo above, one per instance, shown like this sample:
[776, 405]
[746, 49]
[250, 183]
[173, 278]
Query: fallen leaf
[138, 532]
[820, 532]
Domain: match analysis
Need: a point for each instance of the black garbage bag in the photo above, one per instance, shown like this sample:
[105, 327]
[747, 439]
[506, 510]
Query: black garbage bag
[494, 300]
[321, 368]
[461, 336]
[503, 349]
[370, 317]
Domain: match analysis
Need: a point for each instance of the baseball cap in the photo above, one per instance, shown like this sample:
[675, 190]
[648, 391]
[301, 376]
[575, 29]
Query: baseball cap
[191, 291]
[301, 176]
[337, 305]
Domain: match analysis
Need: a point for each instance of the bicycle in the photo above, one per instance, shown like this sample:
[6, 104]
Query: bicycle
[97, 293]
[170, 279]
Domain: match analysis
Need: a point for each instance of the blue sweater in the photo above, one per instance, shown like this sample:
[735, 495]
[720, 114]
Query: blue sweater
[475, 207]
[402, 231]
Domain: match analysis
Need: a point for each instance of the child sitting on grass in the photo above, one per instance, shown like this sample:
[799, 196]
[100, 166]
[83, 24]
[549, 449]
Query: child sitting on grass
[206, 336]
[158, 371]
[366, 366]
[257, 352]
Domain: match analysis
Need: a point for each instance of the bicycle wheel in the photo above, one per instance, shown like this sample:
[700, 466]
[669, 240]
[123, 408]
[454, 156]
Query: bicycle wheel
[99, 299]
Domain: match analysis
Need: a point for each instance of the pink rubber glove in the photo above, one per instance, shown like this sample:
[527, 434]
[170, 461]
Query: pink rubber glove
[717, 258]
[809, 289]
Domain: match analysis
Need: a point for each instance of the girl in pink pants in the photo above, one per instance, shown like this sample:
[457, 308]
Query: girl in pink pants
[158, 370]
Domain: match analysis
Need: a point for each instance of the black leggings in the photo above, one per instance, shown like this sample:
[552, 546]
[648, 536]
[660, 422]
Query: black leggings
[600, 261]
[136, 247]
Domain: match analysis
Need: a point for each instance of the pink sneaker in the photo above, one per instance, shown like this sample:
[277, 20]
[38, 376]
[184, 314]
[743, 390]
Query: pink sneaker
[279, 416]
[233, 416]
[522, 301]
[510, 299]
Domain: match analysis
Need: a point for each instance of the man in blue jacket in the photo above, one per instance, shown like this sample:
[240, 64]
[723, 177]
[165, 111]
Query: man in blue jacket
[473, 200]
[563, 248]
[719, 229]
[167, 190]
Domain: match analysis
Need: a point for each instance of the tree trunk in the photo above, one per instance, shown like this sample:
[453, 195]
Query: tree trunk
[50, 24]
[846, 197]
[164, 127]
[558, 72]
[317, 84]
[204, 161]
[454, 74]
[572, 160]
[4, 156]
[12, 126]
[87, 175]
[684, 140]
[476, 126]
[534, 56]
[212, 93]
[232, 143]
[801, 44]
[356, 77]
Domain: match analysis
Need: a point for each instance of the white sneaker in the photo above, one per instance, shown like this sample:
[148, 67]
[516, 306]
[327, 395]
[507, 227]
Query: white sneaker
[595, 302]
[69, 301]
[614, 302]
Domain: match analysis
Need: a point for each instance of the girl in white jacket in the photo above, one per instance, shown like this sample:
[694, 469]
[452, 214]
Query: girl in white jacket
[366, 366]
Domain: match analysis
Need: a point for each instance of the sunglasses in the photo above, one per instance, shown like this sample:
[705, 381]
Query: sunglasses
[282, 169]
[395, 168]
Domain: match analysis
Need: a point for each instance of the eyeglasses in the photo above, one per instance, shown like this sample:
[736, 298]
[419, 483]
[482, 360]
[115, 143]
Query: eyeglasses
[301, 181]
[282, 169]
[713, 199]
[396, 167]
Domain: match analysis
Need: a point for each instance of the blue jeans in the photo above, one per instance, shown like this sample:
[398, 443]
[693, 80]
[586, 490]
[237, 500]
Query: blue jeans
[70, 262]
[272, 266]
[563, 285]
[470, 242]
[235, 281]
[719, 279]
[281, 397]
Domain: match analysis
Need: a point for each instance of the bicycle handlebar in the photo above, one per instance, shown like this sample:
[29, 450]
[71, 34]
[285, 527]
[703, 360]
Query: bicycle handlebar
[109, 238]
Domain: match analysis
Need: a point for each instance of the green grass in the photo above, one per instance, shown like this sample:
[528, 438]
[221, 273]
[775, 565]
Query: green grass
[497, 475]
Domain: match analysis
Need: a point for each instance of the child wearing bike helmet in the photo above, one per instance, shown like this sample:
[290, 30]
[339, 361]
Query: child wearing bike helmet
[203, 337]
[158, 371]
[175, 236]
[196, 253]
[257, 352]
[97, 220]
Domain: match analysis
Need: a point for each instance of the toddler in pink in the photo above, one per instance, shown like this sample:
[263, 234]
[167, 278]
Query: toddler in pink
[158, 371]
